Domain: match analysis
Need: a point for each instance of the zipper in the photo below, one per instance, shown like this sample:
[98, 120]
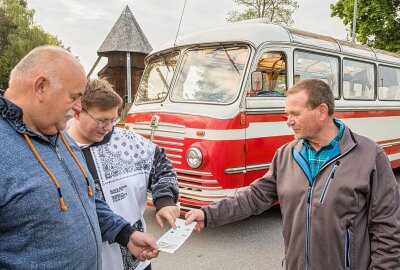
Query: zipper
[74, 186]
[308, 226]
[58, 154]
[309, 204]
[328, 182]
[347, 249]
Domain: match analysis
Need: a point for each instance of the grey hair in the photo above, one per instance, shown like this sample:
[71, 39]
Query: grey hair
[318, 92]
[41, 60]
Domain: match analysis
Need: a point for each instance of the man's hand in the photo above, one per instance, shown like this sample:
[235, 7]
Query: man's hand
[169, 213]
[195, 215]
[143, 246]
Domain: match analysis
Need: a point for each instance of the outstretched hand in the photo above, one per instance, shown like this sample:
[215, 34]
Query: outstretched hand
[169, 213]
[195, 215]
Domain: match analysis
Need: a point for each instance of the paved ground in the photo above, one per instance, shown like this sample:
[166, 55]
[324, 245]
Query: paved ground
[242, 245]
[252, 244]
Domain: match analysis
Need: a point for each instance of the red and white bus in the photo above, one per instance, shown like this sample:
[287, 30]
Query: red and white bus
[214, 99]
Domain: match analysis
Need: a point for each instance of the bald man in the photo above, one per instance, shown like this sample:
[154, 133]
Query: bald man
[50, 216]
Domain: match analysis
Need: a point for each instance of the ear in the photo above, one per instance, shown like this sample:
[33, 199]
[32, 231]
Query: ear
[38, 88]
[77, 115]
[323, 111]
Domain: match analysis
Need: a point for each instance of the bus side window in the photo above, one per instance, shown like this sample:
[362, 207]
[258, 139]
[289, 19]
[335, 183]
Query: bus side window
[310, 65]
[389, 83]
[273, 68]
[358, 80]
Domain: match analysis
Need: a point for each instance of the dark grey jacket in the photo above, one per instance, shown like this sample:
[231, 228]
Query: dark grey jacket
[348, 219]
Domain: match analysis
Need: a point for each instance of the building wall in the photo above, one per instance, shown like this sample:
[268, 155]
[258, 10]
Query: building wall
[115, 71]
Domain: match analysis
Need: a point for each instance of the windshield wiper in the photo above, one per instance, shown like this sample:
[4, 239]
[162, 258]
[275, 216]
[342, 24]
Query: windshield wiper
[230, 59]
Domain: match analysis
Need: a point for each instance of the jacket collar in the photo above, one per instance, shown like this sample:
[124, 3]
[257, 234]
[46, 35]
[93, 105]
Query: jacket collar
[13, 115]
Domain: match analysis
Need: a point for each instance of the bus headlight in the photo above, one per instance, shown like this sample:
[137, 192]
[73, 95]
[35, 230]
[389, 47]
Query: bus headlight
[194, 157]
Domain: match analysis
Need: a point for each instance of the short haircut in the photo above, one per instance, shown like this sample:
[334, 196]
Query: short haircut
[46, 60]
[318, 92]
[99, 93]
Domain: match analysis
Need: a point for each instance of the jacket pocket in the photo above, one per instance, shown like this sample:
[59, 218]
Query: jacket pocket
[347, 248]
[328, 182]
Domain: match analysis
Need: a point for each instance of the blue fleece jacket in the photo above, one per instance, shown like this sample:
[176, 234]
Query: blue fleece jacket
[34, 232]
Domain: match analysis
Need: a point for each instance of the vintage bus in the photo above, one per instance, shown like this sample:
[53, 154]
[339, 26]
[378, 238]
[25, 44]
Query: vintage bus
[214, 99]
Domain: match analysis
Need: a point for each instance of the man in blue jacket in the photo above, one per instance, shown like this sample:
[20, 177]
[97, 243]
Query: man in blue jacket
[50, 216]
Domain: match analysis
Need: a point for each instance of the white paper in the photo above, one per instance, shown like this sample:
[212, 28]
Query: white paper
[174, 238]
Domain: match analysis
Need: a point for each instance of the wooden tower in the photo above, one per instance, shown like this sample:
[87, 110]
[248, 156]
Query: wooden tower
[125, 46]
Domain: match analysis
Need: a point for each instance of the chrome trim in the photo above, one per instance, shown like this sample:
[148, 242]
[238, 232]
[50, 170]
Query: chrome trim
[196, 180]
[200, 187]
[146, 131]
[263, 111]
[167, 142]
[173, 156]
[169, 130]
[235, 170]
[193, 172]
[173, 149]
[160, 124]
[141, 128]
[196, 196]
[176, 162]
[385, 145]
[169, 137]
[249, 168]
[155, 119]
[337, 109]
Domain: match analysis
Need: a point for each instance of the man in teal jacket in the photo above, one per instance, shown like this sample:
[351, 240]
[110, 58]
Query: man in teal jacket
[50, 216]
[339, 199]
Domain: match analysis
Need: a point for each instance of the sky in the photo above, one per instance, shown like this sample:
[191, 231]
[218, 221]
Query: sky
[84, 25]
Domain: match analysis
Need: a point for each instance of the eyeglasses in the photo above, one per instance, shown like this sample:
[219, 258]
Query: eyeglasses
[103, 123]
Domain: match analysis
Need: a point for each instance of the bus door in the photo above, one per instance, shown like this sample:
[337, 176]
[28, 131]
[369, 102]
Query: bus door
[266, 127]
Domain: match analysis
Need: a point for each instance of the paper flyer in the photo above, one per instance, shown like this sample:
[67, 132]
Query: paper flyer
[174, 238]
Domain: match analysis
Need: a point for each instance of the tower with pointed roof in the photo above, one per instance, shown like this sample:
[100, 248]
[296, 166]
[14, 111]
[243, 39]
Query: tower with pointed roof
[125, 46]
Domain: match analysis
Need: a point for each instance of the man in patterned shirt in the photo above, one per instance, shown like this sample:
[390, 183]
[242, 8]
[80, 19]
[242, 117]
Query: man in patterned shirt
[339, 198]
[124, 166]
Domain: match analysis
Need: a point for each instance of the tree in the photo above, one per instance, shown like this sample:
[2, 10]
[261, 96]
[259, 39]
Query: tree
[277, 11]
[19, 35]
[6, 26]
[378, 22]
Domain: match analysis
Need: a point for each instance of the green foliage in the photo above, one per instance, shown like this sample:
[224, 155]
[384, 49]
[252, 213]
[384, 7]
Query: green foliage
[378, 22]
[277, 11]
[19, 35]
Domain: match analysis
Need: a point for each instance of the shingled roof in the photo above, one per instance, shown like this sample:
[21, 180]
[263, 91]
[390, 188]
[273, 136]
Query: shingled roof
[125, 36]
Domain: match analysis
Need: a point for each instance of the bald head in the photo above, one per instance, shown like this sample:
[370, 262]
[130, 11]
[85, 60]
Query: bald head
[47, 84]
[48, 61]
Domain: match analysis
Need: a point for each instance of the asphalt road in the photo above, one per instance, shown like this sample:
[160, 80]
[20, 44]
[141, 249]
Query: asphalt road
[251, 244]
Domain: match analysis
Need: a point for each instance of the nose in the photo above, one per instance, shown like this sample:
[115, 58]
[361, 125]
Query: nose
[289, 120]
[108, 127]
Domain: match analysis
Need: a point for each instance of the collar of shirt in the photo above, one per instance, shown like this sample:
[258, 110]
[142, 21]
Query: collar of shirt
[317, 159]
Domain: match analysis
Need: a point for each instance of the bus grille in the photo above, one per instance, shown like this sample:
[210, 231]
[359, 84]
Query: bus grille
[196, 188]
[168, 136]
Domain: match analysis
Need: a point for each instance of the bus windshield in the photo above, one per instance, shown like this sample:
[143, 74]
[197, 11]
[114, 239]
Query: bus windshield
[156, 79]
[211, 75]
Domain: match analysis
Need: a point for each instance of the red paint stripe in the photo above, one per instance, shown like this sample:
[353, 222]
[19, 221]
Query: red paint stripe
[203, 122]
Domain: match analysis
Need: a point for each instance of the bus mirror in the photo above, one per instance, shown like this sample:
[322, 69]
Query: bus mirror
[256, 81]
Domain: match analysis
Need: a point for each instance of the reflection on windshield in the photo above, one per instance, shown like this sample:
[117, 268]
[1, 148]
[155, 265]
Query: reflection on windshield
[156, 79]
[211, 75]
